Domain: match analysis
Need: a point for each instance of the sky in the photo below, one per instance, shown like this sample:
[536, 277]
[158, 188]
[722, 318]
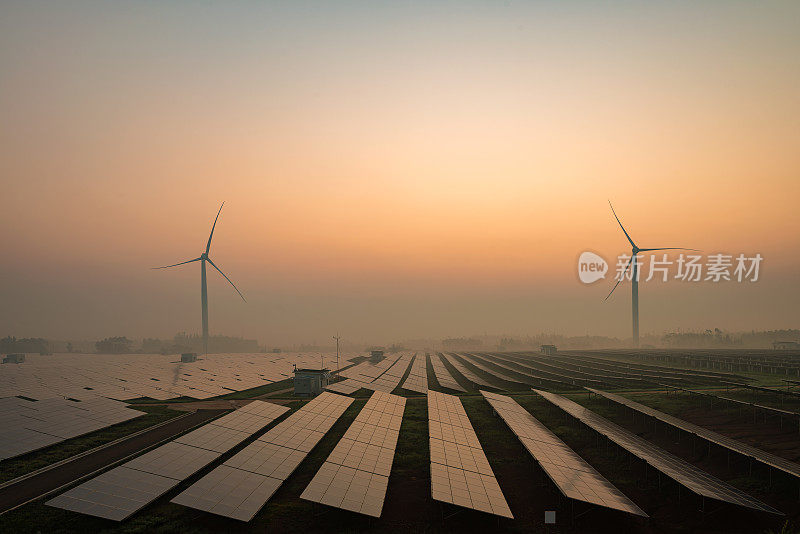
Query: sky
[392, 170]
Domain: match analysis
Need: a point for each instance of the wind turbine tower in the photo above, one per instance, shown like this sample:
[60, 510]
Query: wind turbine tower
[635, 250]
[203, 258]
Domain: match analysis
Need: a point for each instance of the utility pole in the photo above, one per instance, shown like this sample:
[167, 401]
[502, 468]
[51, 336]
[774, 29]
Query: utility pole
[337, 337]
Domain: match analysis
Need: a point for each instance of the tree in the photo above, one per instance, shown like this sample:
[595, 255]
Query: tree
[114, 345]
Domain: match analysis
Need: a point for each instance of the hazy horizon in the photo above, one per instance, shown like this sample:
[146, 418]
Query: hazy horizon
[393, 171]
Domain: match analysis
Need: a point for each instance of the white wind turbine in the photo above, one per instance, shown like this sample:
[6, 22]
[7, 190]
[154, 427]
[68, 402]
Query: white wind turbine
[635, 250]
[203, 258]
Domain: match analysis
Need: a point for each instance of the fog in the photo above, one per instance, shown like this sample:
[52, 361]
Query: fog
[392, 174]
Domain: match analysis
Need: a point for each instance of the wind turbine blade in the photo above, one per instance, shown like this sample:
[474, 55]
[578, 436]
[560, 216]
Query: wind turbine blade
[620, 225]
[621, 277]
[208, 246]
[226, 278]
[667, 248]
[176, 264]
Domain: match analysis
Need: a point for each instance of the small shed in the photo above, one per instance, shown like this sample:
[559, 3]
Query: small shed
[188, 357]
[310, 382]
[14, 358]
[375, 356]
[548, 350]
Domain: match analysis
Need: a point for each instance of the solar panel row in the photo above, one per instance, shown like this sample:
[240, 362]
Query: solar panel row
[460, 472]
[575, 478]
[680, 471]
[650, 371]
[417, 379]
[84, 376]
[356, 473]
[365, 374]
[120, 492]
[30, 425]
[390, 379]
[465, 372]
[527, 370]
[481, 364]
[768, 409]
[737, 446]
[443, 376]
[241, 486]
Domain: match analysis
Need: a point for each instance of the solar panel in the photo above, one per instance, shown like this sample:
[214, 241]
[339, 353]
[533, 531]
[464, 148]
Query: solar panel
[85, 376]
[680, 471]
[230, 492]
[345, 387]
[443, 376]
[390, 379]
[764, 457]
[115, 494]
[524, 367]
[120, 492]
[769, 409]
[468, 489]
[384, 376]
[214, 437]
[356, 473]
[480, 363]
[351, 489]
[460, 472]
[469, 375]
[575, 478]
[173, 460]
[30, 425]
[417, 379]
[267, 459]
[262, 466]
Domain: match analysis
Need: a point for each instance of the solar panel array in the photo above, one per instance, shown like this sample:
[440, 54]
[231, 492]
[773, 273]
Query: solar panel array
[30, 425]
[769, 409]
[346, 387]
[481, 364]
[120, 492]
[575, 478]
[363, 375]
[241, 486]
[443, 376]
[469, 375]
[460, 472]
[356, 474]
[417, 379]
[680, 471]
[389, 380]
[757, 454]
[83, 376]
[634, 371]
[522, 368]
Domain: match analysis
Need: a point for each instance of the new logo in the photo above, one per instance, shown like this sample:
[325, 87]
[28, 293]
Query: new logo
[591, 267]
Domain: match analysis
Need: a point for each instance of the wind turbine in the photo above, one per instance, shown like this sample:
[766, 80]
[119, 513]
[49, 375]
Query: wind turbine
[635, 250]
[203, 258]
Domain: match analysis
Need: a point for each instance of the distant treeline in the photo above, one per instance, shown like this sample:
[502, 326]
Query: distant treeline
[692, 339]
[184, 342]
[462, 343]
[11, 344]
[562, 342]
[720, 338]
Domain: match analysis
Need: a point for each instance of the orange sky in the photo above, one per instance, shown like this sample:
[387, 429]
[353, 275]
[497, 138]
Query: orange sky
[392, 171]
